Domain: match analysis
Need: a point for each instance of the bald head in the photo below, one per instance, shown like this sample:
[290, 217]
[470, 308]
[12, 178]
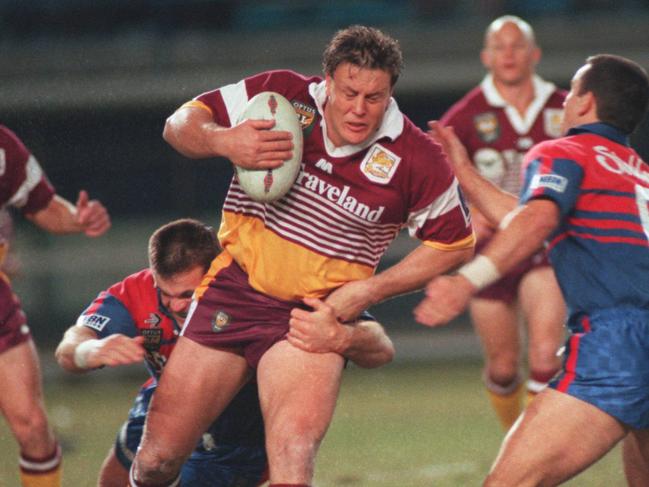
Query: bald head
[500, 22]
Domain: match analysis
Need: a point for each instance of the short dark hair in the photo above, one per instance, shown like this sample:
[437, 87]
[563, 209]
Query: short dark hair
[181, 245]
[365, 47]
[621, 89]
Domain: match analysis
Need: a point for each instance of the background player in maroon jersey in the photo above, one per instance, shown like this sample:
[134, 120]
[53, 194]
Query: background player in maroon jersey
[587, 193]
[498, 121]
[24, 186]
[113, 331]
[367, 172]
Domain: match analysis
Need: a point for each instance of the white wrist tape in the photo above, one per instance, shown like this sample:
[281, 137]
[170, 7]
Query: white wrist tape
[480, 272]
[83, 350]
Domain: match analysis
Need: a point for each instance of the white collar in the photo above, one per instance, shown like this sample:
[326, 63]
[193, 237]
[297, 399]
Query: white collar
[542, 91]
[391, 126]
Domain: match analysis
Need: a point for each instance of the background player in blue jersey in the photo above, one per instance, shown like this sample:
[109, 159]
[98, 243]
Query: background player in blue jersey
[587, 194]
[138, 319]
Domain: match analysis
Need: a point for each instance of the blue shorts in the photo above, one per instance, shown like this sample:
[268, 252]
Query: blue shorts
[210, 465]
[606, 364]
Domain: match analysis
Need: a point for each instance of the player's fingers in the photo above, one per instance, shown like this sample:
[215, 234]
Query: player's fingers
[270, 163]
[275, 135]
[82, 199]
[276, 146]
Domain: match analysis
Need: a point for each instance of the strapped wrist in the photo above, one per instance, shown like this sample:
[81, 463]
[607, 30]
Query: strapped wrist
[480, 272]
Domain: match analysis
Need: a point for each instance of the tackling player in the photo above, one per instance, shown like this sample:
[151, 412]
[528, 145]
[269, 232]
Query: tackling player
[587, 193]
[138, 319]
[367, 171]
[498, 121]
[24, 186]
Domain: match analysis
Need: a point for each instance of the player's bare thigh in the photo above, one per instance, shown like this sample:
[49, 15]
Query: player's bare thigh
[636, 458]
[113, 473]
[544, 309]
[496, 323]
[556, 437]
[197, 384]
[298, 392]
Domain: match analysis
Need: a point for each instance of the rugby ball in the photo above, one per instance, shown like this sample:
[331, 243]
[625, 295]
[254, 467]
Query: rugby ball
[266, 185]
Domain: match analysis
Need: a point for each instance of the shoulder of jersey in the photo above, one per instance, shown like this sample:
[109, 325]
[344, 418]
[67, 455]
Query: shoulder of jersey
[266, 185]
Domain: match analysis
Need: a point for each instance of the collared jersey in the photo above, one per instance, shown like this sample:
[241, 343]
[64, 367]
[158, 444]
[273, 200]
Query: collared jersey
[23, 184]
[600, 251]
[497, 136]
[347, 204]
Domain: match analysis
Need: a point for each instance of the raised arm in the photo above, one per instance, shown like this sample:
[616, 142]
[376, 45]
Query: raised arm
[251, 144]
[62, 217]
[494, 203]
[363, 342]
[81, 350]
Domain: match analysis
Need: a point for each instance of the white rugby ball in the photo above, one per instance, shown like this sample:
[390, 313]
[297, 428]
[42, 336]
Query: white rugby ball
[266, 185]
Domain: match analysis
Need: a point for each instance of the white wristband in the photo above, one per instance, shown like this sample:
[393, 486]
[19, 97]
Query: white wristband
[83, 350]
[480, 272]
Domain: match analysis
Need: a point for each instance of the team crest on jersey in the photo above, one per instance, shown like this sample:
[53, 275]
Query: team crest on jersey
[552, 118]
[95, 321]
[379, 164]
[305, 113]
[220, 322]
[152, 338]
[486, 124]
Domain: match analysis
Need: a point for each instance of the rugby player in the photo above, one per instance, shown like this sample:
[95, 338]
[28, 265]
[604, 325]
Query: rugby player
[24, 186]
[498, 121]
[587, 194]
[367, 171]
[139, 319]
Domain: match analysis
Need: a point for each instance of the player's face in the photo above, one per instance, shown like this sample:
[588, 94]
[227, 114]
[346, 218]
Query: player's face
[357, 99]
[176, 292]
[510, 55]
[573, 105]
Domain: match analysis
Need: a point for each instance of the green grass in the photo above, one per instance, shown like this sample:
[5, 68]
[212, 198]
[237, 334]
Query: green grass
[406, 425]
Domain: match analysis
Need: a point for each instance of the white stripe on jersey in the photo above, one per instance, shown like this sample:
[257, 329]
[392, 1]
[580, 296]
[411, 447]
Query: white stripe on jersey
[235, 98]
[318, 224]
[33, 176]
[447, 201]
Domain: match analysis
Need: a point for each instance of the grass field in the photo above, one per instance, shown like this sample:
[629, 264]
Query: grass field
[406, 425]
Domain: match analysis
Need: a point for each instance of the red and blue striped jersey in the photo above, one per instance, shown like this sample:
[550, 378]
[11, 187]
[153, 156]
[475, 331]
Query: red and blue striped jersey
[600, 250]
[132, 307]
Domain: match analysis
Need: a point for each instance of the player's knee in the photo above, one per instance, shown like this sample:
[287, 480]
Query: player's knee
[153, 465]
[503, 374]
[32, 430]
[543, 357]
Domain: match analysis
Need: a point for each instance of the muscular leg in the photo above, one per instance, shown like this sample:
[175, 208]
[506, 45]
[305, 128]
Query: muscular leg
[496, 324]
[113, 473]
[197, 384]
[545, 311]
[635, 455]
[557, 437]
[298, 392]
[21, 400]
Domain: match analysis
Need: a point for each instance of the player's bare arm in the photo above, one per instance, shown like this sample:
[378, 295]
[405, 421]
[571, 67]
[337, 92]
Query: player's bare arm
[81, 350]
[250, 144]
[489, 199]
[447, 296]
[363, 342]
[62, 217]
[410, 274]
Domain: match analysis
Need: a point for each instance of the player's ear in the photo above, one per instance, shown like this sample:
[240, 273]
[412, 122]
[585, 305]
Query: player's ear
[586, 103]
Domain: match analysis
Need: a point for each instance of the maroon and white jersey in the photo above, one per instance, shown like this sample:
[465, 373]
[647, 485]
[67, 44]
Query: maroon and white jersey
[497, 136]
[23, 183]
[347, 204]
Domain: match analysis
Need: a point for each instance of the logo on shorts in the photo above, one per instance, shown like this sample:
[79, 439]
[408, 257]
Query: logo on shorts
[486, 124]
[220, 322]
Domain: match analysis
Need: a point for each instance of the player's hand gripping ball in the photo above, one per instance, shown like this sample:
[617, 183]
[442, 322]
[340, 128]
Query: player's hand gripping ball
[266, 185]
